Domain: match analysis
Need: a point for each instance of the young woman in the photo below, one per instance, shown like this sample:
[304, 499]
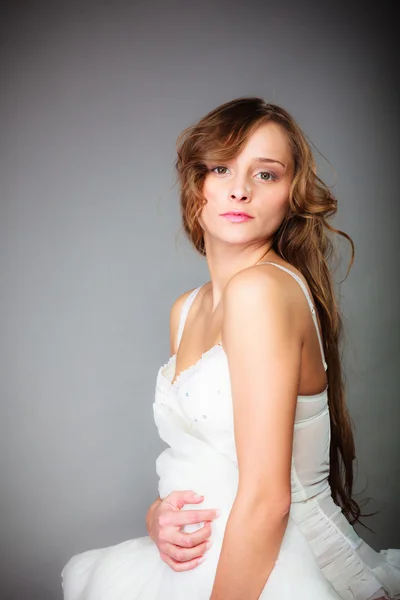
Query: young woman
[251, 401]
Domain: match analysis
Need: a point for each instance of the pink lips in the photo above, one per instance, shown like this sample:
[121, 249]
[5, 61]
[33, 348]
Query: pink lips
[237, 217]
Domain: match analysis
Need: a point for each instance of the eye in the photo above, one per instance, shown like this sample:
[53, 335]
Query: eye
[265, 175]
[269, 176]
[217, 169]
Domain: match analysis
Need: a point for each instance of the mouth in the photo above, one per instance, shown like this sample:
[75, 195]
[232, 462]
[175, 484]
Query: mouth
[236, 212]
[237, 217]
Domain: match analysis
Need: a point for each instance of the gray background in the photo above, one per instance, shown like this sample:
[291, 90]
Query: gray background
[93, 96]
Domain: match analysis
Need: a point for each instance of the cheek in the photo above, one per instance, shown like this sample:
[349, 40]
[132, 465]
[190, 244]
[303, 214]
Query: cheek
[214, 188]
[280, 199]
[204, 217]
[209, 191]
[283, 204]
[212, 196]
[275, 208]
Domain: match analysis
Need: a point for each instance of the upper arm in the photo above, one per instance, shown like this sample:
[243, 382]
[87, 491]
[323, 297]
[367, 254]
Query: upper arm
[262, 339]
[174, 318]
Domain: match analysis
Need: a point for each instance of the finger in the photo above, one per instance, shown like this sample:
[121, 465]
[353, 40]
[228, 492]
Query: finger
[172, 535]
[186, 517]
[190, 540]
[179, 567]
[176, 537]
[179, 554]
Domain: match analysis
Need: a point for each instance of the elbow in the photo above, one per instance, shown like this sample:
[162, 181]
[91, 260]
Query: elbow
[278, 508]
[265, 505]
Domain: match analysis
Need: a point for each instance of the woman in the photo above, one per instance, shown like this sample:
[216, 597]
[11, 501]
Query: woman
[251, 401]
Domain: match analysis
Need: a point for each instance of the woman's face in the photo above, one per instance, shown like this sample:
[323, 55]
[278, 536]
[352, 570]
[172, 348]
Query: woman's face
[248, 197]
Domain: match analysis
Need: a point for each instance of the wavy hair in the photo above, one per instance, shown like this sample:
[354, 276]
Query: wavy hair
[303, 240]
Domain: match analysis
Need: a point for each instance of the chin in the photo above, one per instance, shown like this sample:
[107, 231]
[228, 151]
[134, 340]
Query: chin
[237, 240]
[237, 236]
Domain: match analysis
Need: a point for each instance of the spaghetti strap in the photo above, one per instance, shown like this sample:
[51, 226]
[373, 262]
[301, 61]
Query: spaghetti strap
[184, 313]
[310, 304]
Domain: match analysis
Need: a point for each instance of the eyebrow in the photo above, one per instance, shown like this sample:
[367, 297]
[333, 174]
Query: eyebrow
[261, 159]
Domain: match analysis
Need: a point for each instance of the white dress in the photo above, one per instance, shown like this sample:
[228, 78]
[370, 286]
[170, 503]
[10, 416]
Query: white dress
[321, 556]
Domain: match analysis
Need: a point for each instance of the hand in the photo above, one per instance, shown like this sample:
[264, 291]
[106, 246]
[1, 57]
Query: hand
[180, 550]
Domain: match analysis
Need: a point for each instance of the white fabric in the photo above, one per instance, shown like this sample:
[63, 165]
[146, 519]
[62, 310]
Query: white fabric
[321, 556]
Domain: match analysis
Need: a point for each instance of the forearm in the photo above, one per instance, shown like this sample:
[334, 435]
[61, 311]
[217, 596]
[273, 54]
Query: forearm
[250, 548]
[149, 515]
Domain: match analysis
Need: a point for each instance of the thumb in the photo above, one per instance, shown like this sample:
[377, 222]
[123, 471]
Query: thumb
[192, 497]
[179, 498]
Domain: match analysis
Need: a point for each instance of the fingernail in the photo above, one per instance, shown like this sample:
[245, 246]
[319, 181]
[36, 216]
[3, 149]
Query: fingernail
[197, 496]
[217, 513]
[208, 545]
[201, 559]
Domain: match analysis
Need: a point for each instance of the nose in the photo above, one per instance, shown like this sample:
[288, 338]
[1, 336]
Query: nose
[240, 193]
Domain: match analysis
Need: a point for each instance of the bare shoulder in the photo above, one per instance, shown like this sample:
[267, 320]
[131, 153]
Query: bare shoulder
[259, 295]
[257, 284]
[261, 282]
[174, 318]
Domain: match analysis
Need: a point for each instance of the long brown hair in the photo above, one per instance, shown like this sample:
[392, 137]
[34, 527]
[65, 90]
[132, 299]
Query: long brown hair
[303, 240]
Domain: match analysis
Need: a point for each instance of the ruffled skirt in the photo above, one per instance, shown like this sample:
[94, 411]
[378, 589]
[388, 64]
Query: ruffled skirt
[133, 570]
[355, 570]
